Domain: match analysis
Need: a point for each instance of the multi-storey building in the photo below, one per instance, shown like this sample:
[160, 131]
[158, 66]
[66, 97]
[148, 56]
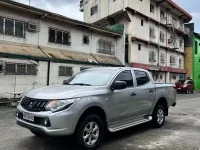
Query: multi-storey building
[154, 31]
[39, 48]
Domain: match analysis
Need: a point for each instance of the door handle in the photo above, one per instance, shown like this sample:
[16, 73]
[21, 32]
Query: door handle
[151, 91]
[133, 94]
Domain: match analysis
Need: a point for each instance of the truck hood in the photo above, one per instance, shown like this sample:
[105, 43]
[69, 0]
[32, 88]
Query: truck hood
[60, 91]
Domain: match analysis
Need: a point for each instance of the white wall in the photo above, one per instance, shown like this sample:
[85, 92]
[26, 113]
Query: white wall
[42, 37]
[24, 83]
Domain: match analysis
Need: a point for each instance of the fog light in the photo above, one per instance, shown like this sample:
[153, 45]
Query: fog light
[45, 122]
[17, 114]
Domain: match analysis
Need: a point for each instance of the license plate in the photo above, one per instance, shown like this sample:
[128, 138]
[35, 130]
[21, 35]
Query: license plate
[28, 117]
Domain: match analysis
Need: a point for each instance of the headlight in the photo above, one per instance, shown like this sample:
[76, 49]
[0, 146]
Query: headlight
[58, 105]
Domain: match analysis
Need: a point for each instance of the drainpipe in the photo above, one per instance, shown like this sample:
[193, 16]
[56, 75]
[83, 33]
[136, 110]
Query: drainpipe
[48, 72]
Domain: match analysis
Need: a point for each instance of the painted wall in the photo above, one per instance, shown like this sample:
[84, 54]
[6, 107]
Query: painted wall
[196, 63]
[189, 62]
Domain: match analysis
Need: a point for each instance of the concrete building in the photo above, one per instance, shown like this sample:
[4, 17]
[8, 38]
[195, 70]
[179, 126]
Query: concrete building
[39, 48]
[192, 56]
[154, 31]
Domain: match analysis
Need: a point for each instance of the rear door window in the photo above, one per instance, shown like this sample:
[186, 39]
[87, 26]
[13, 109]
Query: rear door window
[141, 77]
[125, 76]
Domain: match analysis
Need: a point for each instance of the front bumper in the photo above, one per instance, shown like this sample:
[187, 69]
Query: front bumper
[61, 123]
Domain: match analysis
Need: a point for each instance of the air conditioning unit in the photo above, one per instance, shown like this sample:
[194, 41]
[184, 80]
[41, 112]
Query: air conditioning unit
[32, 27]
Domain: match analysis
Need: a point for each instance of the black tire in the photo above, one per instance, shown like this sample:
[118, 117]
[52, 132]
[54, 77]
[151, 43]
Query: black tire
[37, 133]
[80, 131]
[155, 120]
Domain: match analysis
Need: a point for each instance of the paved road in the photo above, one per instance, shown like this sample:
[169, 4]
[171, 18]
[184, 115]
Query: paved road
[181, 132]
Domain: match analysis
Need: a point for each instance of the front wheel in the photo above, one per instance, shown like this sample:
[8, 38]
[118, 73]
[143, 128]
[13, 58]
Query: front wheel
[90, 132]
[159, 116]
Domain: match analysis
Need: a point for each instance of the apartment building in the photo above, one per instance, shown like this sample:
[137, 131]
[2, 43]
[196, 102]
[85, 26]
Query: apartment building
[154, 32]
[40, 48]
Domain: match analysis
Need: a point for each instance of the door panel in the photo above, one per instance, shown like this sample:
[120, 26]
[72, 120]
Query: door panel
[145, 91]
[123, 103]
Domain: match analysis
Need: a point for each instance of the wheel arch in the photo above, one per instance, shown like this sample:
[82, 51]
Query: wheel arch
[163, 101]
[93, 110]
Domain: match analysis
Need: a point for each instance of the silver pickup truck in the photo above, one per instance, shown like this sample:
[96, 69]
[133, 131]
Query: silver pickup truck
[95, 101]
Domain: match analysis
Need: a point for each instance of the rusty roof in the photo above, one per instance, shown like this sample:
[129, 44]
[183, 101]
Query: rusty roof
[52, 54]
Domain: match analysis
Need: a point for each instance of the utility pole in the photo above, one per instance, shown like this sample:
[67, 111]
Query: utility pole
[29, 2]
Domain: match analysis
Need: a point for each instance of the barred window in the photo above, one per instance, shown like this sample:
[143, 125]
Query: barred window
[105, 47]
[10, 69]
[152, 56]
[162, 58]
[152, 32]
[65, 71]
[12, 27]
[9, 27]
[162, 36]
[59, 37]
[20, 69]
[31, 70]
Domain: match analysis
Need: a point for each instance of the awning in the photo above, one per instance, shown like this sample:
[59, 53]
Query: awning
[17, 61]
[69, 55]
[21, 49]
[104, 59]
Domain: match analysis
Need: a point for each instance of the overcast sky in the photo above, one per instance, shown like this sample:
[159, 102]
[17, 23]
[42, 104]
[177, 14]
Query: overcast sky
[70, 8]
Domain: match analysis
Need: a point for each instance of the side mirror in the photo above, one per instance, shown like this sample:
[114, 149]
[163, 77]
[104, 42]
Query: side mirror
[118, 85]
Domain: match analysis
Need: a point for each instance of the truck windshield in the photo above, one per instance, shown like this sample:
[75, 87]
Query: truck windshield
[91, 78]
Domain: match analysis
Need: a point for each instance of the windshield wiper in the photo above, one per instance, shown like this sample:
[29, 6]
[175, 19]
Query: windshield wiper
[81, 84]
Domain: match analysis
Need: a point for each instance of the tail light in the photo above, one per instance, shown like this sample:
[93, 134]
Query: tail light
[185, 85]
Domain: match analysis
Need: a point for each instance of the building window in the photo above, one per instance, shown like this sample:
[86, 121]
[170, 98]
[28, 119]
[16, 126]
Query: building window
[180, 63]
[65, 71]
[172, 61]
[20, 69]
[59, 37]
[139, 47]
[151, 8]
[196, 47]
[1, 24]
[162, 15]
[162, 36]
[174, 22]
[151, 32]
[94, 10]
[181, 43]
[162, 58]
[86, 40]
[142, 22]
[12, 27]
[152, 56]
[105, 47]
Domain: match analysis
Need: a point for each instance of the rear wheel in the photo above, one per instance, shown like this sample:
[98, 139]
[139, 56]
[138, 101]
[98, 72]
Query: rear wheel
[159, 116]
[90, 132]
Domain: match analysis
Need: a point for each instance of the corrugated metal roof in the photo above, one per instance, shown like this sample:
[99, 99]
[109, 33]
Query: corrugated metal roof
[47, 53]
[19, 49]
[107, 59]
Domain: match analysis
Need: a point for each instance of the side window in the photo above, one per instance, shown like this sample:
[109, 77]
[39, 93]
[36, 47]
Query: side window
[125, 76]
[141, 77]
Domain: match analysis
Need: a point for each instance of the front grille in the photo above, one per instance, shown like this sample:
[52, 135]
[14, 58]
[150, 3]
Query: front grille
[35, 105]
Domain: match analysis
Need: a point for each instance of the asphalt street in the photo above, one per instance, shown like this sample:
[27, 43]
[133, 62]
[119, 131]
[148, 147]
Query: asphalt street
[180, 132]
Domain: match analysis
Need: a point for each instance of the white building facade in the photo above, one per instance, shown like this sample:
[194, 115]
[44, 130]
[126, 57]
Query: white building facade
[40, 48]
[154, 31]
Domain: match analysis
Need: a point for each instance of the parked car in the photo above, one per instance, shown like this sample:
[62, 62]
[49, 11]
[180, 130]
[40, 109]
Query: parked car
[185, 86]
[94, 101]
